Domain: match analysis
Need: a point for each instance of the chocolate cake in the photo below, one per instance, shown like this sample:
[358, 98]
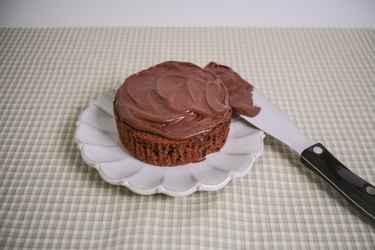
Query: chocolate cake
[172, 114]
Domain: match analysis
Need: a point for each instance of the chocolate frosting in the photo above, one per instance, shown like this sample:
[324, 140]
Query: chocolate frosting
[240, 91]
[175, 100]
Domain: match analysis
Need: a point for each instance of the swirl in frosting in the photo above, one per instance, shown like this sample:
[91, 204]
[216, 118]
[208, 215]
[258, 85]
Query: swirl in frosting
[175, 100]
[240, 91]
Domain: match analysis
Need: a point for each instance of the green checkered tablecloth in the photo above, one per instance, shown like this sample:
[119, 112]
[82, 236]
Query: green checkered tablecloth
[49, 198]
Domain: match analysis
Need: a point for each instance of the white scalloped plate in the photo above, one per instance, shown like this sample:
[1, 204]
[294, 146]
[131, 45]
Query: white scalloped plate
[97, 138]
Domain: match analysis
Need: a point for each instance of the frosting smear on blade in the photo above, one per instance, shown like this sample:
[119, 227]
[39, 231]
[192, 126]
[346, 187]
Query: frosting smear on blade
[240, 91]
[175, 100]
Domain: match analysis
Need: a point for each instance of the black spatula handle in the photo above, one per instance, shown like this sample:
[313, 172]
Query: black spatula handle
[359, 192]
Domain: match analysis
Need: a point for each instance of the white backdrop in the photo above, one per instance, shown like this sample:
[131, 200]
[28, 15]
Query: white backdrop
[266, 13]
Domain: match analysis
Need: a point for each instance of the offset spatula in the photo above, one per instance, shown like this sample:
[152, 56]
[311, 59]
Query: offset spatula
[359, 192]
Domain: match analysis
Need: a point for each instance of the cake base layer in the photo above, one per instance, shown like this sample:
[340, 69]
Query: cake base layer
[160, 151]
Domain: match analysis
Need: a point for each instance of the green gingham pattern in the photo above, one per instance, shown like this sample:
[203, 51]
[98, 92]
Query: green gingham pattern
[49, 198]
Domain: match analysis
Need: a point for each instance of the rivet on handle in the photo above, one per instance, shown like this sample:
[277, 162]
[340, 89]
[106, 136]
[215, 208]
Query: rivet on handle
[370, 190]
[317, 150]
